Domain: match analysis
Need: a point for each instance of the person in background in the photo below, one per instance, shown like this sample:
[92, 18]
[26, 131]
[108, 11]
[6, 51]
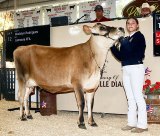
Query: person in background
[131, 55]
[145, 10]
[99, 14]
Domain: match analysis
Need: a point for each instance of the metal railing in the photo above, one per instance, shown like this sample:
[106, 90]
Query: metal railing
[7, 83]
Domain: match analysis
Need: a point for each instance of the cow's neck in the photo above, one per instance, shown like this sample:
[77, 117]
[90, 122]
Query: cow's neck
[99, 47]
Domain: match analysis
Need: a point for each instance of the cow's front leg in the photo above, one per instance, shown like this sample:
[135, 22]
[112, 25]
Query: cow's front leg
[90, 103]
[27, 93]
[80, 103]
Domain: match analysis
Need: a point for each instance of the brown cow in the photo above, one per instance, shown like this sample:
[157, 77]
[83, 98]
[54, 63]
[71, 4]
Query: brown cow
[62, 70]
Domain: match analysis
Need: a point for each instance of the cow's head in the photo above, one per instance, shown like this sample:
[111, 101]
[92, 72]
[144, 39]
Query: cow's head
[113, 33]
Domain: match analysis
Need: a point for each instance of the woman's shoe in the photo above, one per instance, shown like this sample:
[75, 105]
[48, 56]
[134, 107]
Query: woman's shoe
[127, 128]
[138, 130]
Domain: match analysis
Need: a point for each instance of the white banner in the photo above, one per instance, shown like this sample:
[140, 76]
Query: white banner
[110, 96]
[27, 18]
[43, 16]
[109, 7]
[64, 10]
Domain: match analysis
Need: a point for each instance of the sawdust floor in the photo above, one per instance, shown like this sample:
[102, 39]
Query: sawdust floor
[63, 124]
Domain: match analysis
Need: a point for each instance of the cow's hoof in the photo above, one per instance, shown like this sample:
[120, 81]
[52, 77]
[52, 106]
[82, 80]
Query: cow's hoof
[23, 118]
[93, 124]
[82, 126]
[29, 117]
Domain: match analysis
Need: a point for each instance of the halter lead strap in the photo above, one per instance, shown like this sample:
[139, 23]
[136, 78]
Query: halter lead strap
[105, 35]
[101, 69]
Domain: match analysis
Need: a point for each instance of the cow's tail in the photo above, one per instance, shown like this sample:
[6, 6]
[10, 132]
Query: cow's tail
[19, 73]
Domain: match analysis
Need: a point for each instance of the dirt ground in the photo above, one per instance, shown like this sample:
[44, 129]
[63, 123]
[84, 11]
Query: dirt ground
[63, 124]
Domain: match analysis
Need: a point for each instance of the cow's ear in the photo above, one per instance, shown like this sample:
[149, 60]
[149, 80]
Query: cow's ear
[87, 29]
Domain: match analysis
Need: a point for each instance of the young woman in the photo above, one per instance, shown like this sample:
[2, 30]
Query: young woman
[131, 55]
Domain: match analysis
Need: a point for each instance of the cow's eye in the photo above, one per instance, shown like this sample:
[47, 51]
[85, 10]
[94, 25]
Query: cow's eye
[102, 28]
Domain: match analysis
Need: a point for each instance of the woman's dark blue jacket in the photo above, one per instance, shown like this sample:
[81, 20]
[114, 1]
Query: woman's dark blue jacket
[132, 49]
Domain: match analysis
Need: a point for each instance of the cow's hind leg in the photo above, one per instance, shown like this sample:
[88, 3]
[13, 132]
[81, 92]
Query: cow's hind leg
[27, 93]
[21, 93]
[80, 103]
[90, 102]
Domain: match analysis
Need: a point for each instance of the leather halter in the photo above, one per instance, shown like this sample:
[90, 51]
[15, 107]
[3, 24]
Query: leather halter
[105, 35]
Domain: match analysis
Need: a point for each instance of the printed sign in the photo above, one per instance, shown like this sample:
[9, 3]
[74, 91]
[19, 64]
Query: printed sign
[156, 35]
[26, 36]
[64, 10]
[111, 81]
[157, 40]
[87, 8]
[27, 18]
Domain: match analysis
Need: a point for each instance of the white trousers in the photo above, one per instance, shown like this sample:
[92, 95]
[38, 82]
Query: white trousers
[133, 78]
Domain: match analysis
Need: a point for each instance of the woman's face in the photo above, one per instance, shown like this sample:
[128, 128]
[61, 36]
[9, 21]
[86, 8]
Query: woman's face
[132, 25]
